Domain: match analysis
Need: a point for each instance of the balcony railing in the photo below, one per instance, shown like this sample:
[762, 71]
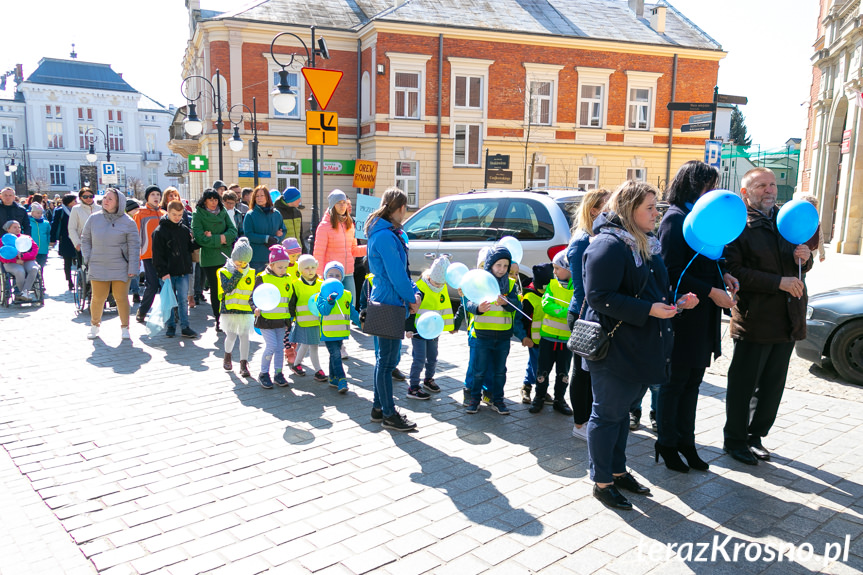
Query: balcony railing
[152, 156]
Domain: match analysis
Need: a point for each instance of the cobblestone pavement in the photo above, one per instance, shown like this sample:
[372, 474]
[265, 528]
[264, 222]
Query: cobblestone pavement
[146, 457]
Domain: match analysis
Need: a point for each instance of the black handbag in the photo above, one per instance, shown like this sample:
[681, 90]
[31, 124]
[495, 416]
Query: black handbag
[383, 320]
[589, 339]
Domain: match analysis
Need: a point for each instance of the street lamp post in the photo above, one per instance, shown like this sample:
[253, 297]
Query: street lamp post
[236, 142]
[285, 99]
[11, 169]
[192, 124]
[91, 136]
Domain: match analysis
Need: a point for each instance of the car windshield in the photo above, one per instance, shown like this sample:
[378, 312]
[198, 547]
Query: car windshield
[469, 220]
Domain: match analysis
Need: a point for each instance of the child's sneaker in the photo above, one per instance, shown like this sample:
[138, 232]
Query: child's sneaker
[265, 380]
[474, 406]
[500, 407]
[280, 379]
[430, 385]
[343, 386]
[525, 393]
[486, 398]
[466, 397]
[298, 369]
[320, 376]
[417, 393]
[333, 381]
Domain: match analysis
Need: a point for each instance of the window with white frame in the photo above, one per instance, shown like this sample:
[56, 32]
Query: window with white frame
[115, 116]
[540, 103]
[407, 180]
[54, 132]
[53, 112]
[541, 83]
[637, 174]
[58, 174]
[152, 176]
[7, 139]
[588, 177]
[83, 140]
[294, 83]
[540, 175]
[85, 114]
[640, 99]
[115, 138]
[407, 85]
[467, 145]
[468, 92]
[592, 96]
[150, 142]
[407, 94]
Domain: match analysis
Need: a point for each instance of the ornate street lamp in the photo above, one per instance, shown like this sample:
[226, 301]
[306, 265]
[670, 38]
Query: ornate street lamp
[91, 135]
[193, 124]
[236, 142]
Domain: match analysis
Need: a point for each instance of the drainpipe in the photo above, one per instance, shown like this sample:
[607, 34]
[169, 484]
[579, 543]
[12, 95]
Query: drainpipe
[671, 124]
[439, 109]
[359, 97]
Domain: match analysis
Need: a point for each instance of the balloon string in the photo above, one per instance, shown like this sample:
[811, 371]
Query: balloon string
[680, 279]
[519, 311]
[722, 279]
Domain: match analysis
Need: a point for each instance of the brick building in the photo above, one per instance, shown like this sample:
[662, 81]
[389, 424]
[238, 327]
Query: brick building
[573, 91]
[832, 153]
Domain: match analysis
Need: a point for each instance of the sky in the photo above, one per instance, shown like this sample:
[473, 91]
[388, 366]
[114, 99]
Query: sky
[768, 52]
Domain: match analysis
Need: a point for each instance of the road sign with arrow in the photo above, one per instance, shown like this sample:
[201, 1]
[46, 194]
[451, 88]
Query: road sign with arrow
[322, 129]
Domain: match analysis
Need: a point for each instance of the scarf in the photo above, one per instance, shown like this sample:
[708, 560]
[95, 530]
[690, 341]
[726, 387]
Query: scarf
[68, 211]
[652, 242]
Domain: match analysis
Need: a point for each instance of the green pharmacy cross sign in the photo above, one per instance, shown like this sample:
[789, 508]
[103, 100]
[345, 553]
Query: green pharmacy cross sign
[198, 164]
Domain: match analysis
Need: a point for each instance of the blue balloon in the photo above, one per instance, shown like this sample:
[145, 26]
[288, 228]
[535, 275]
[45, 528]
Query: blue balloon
[480, 286]
[258, 331]
[313, 305]
[708, 251]
[332, 286]
[797, 221]
[8, 252]
[430, 325]
[275, 195]
[454, 274]
[718, 217]
[9, 239]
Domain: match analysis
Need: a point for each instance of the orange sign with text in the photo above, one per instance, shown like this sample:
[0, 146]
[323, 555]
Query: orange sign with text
[323, 83]
[365, 174]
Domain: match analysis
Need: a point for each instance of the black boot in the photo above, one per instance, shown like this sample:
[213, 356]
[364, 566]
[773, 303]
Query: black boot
[671, 458]
[695, 462]
[537, 404]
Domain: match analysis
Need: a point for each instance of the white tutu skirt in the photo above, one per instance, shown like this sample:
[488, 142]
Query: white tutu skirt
[237, 323]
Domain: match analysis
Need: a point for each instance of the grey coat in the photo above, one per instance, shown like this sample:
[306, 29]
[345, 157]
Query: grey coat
[111, 246]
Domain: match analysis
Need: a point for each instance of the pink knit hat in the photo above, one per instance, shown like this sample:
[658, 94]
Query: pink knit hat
[279, 254]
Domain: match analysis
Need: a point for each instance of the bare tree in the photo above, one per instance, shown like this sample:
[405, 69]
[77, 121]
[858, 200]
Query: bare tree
[135, 187]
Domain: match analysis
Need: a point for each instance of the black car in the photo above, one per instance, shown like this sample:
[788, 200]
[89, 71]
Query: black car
[834, 329]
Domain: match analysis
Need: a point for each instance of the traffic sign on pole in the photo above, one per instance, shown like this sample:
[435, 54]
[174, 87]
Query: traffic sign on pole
[108, 172]
[691, 106]
[322, 129]
[695, 127]
[726, 99]
[198, 164]
[698, 118]
[323, 83]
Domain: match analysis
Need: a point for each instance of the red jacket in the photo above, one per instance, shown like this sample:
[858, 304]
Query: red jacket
[147, 219]
[27, 256]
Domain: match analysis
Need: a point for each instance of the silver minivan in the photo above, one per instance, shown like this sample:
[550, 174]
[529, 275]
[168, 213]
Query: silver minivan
[459, 226]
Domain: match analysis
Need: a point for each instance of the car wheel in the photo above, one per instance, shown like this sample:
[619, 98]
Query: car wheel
[846, 352]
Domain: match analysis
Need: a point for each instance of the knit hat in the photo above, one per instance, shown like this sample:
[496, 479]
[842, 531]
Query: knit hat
[132, 205]
[150, 190]
[437, 271]
[560, 259]
[242, 251]
[334, 265]
[307, 261]
[292, 245]
[219, 184]
[542, 274]
[36, 207]
[335, 197]
[292, 194]
[279, 254]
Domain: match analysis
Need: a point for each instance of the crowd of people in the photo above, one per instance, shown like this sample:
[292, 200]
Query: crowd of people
[659, 302]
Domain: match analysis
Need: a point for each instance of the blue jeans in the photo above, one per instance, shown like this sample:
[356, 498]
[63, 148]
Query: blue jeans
[274, 349]
[425, 355]
[181, 290]
[654, 399]
[608, 427]
[532, 361]
[490, 364]
[386, 355]
[398, 353]
[337, 372]
[135, 285]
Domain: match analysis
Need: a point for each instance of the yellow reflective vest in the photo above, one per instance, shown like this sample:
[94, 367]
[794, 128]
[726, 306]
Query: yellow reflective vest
[438, 302]
[303, 291]
[286, 290]
[538, 313]
[336, 324]
[238, 298]
[556, 296]
[497, 318]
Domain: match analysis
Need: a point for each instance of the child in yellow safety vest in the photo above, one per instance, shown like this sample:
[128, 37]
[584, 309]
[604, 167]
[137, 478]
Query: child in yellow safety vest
[236, 283]
[335, 325]
[554, 333]
[274, 323]
[292, 245]
[306, 330]
[435, 298]
[532, 306]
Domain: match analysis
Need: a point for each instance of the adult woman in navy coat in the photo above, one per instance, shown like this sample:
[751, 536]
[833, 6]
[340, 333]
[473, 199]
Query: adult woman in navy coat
[60, 233]
[627, 290]
[696, 332]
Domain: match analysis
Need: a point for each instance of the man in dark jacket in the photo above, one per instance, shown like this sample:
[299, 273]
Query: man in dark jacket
[12, 210]
[768, 318]
[172, 257]
[288, 206]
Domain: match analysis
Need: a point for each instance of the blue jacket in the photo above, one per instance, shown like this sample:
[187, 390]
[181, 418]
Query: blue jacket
[259, 227]
[41, 234]
[517, 330]
[575, 253]
[388, 261]
[640, 351]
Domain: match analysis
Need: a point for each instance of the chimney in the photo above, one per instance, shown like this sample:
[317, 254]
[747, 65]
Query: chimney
[657, 19]
[637, 6]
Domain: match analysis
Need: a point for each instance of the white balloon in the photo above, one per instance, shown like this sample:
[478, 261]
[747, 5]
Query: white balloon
[266, 297]
[514, 247]
[23, 244]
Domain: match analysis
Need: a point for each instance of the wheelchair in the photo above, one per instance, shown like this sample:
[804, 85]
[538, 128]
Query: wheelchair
[8, 288]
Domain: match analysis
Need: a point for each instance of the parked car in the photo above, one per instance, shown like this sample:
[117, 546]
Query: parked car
[834, 330]
[459, 226]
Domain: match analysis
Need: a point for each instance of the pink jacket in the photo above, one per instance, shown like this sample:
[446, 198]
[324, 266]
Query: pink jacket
[29, 256]
[338, 245]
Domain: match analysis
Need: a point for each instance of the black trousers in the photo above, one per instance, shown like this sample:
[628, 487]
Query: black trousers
[212, 275]
[553, 354]
[151, 289]
[580, 392]
[678, 401]
[756, 380]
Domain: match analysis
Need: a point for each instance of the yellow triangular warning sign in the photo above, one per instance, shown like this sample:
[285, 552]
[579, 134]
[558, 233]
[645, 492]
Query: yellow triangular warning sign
[323, 83]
